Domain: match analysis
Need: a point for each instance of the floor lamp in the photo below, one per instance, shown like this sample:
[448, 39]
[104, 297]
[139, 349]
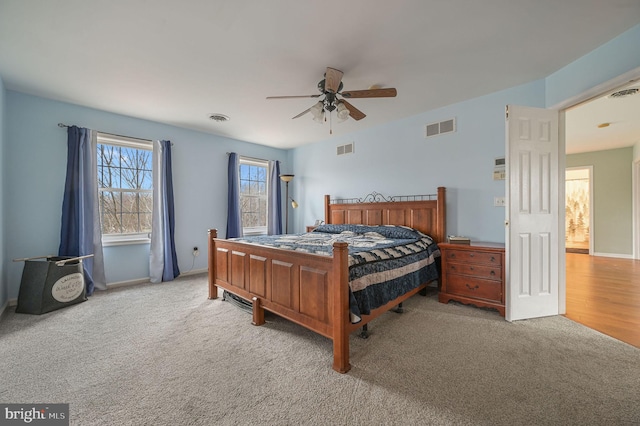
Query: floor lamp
[286, 179]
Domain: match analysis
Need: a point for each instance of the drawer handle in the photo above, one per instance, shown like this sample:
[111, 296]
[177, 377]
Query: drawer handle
[471, 254]
[453, 268]
[493, 259]
[471, 268]
[452, 255]
[493, 273]
[472, 288]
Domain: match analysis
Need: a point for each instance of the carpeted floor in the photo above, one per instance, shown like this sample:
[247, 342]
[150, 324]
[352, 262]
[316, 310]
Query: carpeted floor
[163, 354]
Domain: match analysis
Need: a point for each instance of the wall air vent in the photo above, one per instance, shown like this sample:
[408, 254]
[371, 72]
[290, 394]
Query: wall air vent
[441, 127]
[345, 149]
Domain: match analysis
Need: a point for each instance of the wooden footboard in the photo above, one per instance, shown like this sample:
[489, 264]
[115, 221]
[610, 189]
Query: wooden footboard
[308, 289]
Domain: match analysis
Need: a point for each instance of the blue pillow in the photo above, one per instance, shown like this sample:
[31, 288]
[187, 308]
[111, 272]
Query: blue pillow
[387, 231]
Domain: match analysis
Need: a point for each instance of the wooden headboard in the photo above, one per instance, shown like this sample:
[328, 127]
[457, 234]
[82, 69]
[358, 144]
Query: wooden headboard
[426, 213]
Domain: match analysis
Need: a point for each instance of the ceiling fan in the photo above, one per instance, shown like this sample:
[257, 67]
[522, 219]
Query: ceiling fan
[330, 88]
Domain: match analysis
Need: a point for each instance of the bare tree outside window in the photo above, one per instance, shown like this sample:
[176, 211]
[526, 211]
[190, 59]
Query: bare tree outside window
[125, 189]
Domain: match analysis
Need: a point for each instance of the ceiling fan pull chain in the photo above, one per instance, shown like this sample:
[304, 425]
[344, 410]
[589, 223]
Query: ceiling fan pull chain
[330, 124]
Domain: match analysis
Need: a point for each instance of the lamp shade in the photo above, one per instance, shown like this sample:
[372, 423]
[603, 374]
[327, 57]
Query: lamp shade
[294, 204]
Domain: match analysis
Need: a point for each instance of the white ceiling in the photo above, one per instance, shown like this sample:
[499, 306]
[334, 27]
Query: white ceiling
[177, 62]
[618, 118]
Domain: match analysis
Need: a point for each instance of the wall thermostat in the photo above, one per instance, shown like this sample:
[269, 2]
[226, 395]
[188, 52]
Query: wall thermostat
[499, 172]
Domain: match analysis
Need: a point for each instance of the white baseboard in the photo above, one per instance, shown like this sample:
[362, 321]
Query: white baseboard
[127, 283]
[619, 256]
[146, 280]
[3, 310]
[194, 272]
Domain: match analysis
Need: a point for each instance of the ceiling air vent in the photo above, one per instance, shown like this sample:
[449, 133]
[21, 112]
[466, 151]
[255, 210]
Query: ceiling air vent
[441, 127]
[345, 149]
[218, 117]
[624, 93]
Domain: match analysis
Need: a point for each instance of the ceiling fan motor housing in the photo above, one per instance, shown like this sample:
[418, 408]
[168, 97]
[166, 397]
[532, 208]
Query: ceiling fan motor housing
[321, 87]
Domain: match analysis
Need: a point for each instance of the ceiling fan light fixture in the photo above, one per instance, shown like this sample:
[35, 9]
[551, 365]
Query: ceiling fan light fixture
[317, 111]
[342, 112]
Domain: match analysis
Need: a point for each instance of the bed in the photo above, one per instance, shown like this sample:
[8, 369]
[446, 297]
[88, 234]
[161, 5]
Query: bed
[313, 289]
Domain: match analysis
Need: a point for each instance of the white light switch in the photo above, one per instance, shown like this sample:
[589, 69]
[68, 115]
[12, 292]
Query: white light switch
[498, 201]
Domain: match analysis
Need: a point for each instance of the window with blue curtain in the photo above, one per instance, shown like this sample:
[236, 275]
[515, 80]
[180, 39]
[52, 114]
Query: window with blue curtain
[253, 195]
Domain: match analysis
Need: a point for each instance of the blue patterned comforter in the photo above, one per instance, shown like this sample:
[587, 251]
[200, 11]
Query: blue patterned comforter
[384, 261]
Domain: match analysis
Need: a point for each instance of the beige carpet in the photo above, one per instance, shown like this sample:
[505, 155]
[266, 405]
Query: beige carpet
[165, 355]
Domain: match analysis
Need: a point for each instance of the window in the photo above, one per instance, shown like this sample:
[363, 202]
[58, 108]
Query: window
[253, 195]
[125, 191]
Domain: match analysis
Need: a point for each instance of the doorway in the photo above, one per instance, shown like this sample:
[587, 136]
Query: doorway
[578, 208]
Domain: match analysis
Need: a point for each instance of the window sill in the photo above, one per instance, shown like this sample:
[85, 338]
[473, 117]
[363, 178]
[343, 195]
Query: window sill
[249, 234]
[125, 242]
[259, 230]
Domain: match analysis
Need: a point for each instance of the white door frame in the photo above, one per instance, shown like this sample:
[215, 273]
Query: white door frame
[636, 209]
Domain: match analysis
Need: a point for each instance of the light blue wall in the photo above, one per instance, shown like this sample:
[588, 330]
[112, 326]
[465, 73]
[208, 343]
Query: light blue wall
[35, 156]
[4, 288]
[610, 60]
[396, 159]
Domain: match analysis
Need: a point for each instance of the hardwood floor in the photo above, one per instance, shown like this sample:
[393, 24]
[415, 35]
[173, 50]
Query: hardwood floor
[604, 294]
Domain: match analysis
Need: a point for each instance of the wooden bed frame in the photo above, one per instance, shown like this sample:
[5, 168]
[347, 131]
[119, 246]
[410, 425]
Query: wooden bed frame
[271, 278]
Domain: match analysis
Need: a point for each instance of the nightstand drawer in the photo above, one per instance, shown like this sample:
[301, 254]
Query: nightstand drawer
[474, 287]
[473, 256]
[488, 272]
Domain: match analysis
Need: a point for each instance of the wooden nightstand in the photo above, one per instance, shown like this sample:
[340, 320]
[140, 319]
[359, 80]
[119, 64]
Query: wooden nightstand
[473, 274]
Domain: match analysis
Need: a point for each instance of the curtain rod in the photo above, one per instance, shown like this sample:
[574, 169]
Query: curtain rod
[250, 158]
[113, 134]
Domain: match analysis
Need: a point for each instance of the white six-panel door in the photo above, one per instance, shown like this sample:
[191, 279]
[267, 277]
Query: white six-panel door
[532, 215]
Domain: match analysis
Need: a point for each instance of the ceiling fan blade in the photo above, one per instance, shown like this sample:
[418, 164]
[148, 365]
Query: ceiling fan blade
[371, 93]
[302, 113]
[291, 97]
[332, 79]
[354, 112]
